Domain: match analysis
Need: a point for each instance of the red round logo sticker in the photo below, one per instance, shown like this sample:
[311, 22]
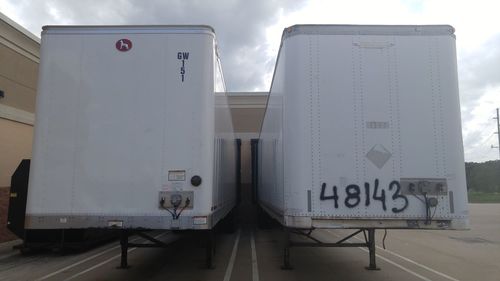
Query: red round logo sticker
[123, 45]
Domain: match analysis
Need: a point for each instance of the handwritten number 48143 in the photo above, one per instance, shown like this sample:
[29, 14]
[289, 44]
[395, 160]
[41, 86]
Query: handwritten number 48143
[353, 195]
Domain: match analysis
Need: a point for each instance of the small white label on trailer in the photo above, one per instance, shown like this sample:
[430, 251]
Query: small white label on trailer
[199, 220]
[177, 175]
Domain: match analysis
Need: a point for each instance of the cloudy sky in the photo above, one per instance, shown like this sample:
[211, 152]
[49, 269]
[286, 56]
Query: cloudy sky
[249, 34]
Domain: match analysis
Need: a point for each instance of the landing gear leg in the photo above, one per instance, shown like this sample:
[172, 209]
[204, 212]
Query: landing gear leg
[371, 248]
[210, 249]
[286, 251]
[124, 248]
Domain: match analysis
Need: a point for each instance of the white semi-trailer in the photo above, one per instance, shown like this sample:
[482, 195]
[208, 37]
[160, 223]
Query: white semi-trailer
[128, 132]
[362, 131]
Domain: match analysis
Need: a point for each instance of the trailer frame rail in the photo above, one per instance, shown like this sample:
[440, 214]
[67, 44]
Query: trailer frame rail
[154, 242]
[368, 233]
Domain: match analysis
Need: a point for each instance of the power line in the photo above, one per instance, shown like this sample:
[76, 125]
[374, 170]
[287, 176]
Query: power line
[486, 154]
[486, 140]
[482, 151]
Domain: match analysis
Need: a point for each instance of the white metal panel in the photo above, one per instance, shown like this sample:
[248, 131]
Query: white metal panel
[111, 125]
[297, 127]
[225, 145]
[369, 106]
[270, 153]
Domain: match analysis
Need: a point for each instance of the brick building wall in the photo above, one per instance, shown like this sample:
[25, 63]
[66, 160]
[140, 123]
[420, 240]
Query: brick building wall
[19, 57]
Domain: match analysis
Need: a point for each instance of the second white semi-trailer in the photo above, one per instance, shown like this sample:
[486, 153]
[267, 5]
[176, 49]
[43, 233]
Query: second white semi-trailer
[362, 131]
[128, 132]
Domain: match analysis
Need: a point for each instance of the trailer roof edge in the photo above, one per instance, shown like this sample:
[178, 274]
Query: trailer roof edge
[64, 29]
[340, 29]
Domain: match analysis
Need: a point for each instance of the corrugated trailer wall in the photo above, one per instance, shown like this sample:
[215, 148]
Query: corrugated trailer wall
[362, 129]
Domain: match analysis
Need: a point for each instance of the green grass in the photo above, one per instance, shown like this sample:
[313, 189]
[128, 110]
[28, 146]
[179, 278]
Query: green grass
[481, 197]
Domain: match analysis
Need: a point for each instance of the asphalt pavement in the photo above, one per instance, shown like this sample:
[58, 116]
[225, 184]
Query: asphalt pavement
[256, 254]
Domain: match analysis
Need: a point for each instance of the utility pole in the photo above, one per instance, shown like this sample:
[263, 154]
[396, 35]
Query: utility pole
[497, 132]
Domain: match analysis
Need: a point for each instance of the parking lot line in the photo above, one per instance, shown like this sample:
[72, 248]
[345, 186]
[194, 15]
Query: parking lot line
[398, 265]
[91, 258]
[393, 262]
[230, 265]
[414, 262]
[255, 266]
